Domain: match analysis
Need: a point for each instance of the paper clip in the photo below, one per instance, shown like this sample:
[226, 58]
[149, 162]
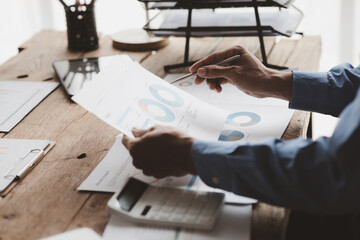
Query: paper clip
[25, 170]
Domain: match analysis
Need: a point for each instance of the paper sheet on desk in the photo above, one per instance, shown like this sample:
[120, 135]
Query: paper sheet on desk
[14, 155]
[18, 98]
[114, 170]
[251, 119]
[133, 97]
[77, 234]
[234, 223]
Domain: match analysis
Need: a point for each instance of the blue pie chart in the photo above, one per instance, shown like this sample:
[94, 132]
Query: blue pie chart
[166, 95]
[236, 119]
[231, 136]
[146, 104]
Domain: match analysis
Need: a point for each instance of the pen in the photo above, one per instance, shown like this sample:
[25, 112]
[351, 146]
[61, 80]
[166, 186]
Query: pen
[31, 164]
[223, 63]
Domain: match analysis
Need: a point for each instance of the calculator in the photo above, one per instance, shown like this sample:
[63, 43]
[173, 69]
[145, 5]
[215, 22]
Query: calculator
[165, 206]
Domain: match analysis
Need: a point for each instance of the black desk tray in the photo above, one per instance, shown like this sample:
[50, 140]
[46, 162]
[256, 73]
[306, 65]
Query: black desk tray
[200, 4]
[213, 24]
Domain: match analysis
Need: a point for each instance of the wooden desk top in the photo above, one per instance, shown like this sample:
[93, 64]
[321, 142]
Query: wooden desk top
[46, 201]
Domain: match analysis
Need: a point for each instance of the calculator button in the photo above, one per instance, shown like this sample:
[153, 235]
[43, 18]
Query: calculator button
[193, 211]
[176, 217]
[156, 207]
[152, 214]
[163, 216]
[203, 220]
[167, 209]
[190, 218]
[180, 210]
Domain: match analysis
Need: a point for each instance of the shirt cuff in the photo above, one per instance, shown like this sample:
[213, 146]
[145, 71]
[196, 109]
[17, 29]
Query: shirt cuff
[211, 163]
[307, 89]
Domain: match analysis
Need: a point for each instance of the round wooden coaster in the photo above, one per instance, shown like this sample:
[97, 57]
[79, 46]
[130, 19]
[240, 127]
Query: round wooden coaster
[137, 40]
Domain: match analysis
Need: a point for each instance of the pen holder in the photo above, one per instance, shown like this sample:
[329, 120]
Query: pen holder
[81, 28]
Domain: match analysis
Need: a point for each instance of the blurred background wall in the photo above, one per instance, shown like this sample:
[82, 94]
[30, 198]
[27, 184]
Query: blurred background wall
[338, 22]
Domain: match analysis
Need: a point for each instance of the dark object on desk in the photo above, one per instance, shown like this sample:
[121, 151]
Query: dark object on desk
[74, 74]
[81, 26]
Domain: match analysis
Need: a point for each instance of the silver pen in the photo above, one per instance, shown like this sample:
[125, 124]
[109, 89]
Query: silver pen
[225, 62]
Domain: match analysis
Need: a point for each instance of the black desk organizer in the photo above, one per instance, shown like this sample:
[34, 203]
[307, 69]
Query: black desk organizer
[81, 26]
[188, 30]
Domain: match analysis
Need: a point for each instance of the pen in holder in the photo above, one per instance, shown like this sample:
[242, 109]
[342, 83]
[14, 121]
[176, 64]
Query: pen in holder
[81, 26]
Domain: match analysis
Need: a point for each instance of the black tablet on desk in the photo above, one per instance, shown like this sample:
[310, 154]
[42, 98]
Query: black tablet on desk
[75, 74]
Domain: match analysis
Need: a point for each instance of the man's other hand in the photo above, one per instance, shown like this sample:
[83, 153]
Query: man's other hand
[161, 151]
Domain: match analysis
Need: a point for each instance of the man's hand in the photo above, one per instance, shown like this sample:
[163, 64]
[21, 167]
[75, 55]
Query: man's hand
[161, 151]
[248, 74]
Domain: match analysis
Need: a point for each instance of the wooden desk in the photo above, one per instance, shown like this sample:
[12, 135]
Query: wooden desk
[46, 201]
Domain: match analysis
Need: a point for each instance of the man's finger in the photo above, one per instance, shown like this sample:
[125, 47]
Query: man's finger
[198, 80]
[140, 132]
[214, 71]
[211, 83]
[217, 57]
[127, 141]
[209, 60]
[218, 87]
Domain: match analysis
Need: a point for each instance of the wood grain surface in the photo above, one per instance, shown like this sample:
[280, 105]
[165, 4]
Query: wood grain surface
[46, 201]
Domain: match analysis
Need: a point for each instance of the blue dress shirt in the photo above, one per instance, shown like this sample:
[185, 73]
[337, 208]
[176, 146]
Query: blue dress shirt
[321, 176]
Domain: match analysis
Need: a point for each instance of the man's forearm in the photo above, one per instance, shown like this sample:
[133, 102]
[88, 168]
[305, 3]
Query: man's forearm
[328, 92]
[318, 176]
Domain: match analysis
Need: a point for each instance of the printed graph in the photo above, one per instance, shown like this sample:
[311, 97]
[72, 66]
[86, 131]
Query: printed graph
[243, 119]
[156, 110]
[231, 135]
[166, 95]
[185, 84]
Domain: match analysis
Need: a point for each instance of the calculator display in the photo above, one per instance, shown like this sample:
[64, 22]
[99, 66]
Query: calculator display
[131, 193]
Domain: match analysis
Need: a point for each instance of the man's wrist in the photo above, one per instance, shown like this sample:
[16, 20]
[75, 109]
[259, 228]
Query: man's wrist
[190, 166]
[282, 85]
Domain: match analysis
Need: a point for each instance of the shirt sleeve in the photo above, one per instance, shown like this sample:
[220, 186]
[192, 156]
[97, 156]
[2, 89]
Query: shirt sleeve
[328, 92]
[319, 176]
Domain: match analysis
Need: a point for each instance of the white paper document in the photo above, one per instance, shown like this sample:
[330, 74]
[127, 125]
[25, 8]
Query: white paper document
[15, 154]
[247, 120]
[234, 223]
[18, 98]
[250, 119]
[114, 170]
[133, 97]
[77, 234]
